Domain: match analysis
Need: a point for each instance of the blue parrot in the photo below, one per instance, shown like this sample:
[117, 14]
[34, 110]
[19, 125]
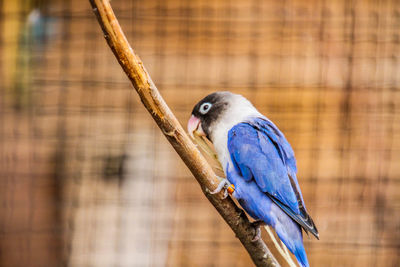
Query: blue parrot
[259, 162]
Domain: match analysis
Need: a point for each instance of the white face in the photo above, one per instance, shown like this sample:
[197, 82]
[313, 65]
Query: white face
[238, 110]
[216, 114]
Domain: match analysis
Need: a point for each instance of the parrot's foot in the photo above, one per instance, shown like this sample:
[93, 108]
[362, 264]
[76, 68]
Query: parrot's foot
[257, 227]
[223, 185]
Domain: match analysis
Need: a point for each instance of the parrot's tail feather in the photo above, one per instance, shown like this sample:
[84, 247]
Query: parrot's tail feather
[284, 253]
[303, 219]
[301, 256]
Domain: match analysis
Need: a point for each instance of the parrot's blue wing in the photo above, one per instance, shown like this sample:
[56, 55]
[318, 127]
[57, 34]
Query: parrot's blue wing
[279, 141]
[260, 151]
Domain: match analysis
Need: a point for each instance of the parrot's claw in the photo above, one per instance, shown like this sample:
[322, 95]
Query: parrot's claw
[223, 185]
[257, 225]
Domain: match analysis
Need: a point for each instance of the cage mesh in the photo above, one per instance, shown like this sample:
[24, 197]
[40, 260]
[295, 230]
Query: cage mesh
[87, 179]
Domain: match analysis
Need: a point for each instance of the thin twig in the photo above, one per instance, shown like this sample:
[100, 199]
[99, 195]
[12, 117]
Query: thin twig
[169, 125]
[283, 251]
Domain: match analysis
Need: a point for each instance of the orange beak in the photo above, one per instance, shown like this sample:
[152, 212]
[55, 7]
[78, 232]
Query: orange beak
[194, 126]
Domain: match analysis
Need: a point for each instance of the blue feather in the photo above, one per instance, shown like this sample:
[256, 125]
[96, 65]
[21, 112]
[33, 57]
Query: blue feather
[264, 175]
[259, 206]
[252, 150]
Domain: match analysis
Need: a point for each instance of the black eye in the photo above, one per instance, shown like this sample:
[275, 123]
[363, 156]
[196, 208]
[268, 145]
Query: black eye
[205, 107]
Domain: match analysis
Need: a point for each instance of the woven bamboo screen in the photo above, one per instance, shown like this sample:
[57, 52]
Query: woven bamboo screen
[87, 179]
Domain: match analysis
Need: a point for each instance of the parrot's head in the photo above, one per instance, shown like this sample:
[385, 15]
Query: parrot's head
[218, 112]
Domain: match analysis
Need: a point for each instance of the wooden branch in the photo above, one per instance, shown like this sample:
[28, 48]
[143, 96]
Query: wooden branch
[169, 125]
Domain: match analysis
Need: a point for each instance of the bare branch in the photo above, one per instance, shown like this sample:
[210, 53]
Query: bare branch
[169, 125]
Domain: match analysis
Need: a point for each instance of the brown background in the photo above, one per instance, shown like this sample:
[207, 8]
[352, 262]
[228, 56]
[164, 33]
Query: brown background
[86, 178]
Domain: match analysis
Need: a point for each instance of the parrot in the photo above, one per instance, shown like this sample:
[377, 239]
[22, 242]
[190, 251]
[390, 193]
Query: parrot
[260, 164]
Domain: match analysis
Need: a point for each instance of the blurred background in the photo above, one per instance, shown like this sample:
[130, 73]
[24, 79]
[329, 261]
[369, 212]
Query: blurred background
[87, 179]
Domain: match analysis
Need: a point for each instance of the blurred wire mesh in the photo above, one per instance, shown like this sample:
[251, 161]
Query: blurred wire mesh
[86, 179]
